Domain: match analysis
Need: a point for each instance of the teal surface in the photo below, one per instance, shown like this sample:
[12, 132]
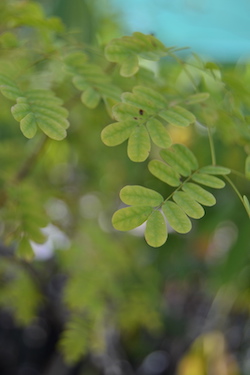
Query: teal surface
[218, 29]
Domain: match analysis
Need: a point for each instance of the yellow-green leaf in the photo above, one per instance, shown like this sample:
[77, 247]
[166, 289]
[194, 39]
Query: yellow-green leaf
[158, 133]
[156, 229]
[24, 250]
[139, 144]
[199, 194]
[90, 98]
[130, 217]
[9, 88]
[176, 217]
[215, 169]
[180, 158]
[188, 204]
[197, 98]
[164, 172]
[208, 180]
[116, 133]
[130, 66]
[139, 195]
[177, 116]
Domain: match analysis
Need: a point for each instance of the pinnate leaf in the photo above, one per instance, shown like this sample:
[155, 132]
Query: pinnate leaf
[156, 229]
[199, 194]
[139, 144]
[116, 133]
[130, 217]
[180, 158]
[158, 133]
[208, 180]
[141, 196]
[176, 217]
[188, 204]
[164, 173]
[177, 116]
[215, 169]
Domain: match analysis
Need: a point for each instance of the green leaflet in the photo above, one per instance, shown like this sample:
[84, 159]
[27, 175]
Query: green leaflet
[147, 102]
[189, 205]
[124, 111]
[180, 158]
[247, 167]
[91, 98]
[199, 194]
[197, 98]
[130, 217]
[246, 204]
[130, 66]
[157, 100]
[177, 116]
[139, 144]
[140, 196]
[8, 88]
[41, 108]
[164, 172]
[176, 217]
[126, 50]
[156, 229]
[158, 133]
[116, 133]
[215, 169]
[208, 180]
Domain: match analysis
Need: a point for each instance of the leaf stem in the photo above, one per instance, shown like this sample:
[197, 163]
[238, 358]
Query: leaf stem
[211, 143]
[237, 192]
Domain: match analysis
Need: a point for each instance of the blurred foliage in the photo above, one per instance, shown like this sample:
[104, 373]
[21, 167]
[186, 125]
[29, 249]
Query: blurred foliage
[105, 291]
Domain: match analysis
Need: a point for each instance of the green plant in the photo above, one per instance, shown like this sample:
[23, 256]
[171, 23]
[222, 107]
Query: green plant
[153, 98]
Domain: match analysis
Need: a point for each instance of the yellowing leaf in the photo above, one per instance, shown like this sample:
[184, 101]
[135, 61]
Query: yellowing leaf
[156, 229]
[176, 217]
[130, 217]
[164, 172]
[139, 144]
[141, 196]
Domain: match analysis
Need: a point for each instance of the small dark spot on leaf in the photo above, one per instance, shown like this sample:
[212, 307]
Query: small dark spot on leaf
[141, 112]
[135, 118]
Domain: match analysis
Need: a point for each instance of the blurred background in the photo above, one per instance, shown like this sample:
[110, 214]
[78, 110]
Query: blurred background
[181, 309]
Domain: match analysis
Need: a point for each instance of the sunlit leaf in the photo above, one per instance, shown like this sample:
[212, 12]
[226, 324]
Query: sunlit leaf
[188, 204]
[208, 180]
[130, 66]
[116, 133]
[177, 116]
[176, 217]
[130, 217]
[139, 144]
[199, 194]
[164, 172]
[156, 229]
[141, 196]
[158, 133]
[180, 158]
[215, 169]
[124, 111]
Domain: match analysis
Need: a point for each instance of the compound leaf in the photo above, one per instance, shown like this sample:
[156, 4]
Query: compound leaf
[158, 133]
[176, 217]
[180, 158]
[139, 144]
[141, 196]
[199, 194]
[215, 169]
[164, 173]
[177, 116]
[208, 180]
[116, 133]
[189, 205]
[8, 88]
[156, 229]
[130, 217]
